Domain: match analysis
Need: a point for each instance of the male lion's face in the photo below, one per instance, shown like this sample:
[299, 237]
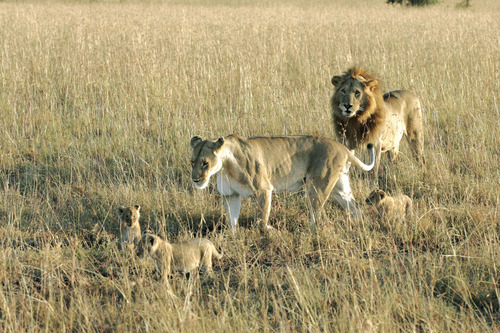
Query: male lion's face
[129, 215]
[205, 160]
[375, 197]
[351, 94]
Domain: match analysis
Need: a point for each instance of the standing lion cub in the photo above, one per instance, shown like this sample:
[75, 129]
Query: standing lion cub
[130, 228]
[184, 256]
[398, 206]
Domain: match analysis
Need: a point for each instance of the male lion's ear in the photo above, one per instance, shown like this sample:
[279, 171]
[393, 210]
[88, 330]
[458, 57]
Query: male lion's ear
[372, 84]
[336, 80]
[194, 141]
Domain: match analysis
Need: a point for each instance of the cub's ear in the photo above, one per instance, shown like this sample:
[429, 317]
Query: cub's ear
[151, 240]
[219, 143]
[336, 80]
[195, 140]
[121, 209]
[137, 207]
[372, 84]
[382, 194]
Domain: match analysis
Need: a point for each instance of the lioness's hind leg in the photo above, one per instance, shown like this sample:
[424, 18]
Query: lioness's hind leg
[318, 190]
[264, 208]
[207, 260]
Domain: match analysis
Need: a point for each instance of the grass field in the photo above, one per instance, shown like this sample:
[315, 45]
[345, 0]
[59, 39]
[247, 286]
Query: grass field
[98, 102]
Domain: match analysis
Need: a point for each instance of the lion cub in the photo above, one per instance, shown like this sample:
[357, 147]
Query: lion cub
[184, 256]
[390, 207]
[129, 227]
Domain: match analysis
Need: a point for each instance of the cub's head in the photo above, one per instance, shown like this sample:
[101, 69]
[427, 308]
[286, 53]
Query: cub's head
[205, 160]
[148, 244]
[354, 93]
[375, 197]
[129, 215]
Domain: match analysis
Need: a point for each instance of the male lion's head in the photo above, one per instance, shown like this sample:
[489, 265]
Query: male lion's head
[354, 93]
[205, 160]
[358, 107]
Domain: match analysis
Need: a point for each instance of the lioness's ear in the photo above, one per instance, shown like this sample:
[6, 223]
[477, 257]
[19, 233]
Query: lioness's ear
[336, 80]
[137, 207]
[194, 141]
[372, 84]
[219, 143]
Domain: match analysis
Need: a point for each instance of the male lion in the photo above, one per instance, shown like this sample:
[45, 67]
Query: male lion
[260, 165]
[361, 114]
[183, 256]
[129, 227]
[397, 206]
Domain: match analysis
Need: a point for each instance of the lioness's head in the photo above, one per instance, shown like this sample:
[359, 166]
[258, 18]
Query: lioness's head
[354, 92]
[129, 215]
[375, 197]
[148, 244]
[205, 160]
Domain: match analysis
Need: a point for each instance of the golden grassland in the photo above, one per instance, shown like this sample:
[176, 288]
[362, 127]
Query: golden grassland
[98, 102]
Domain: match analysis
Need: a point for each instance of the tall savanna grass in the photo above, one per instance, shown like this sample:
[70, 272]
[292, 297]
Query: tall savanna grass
[99, 101]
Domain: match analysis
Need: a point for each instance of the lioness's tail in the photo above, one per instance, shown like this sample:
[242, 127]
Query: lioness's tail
[356, 161]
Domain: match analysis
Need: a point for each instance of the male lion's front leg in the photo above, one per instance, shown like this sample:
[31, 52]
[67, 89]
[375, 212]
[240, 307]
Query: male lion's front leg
[264, 207]
[232, 204]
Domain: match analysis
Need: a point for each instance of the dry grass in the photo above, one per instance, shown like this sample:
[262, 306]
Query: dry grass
[98, 103]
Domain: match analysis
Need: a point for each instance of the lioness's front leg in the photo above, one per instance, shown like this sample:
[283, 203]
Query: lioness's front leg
[264, 207]
[232, 204]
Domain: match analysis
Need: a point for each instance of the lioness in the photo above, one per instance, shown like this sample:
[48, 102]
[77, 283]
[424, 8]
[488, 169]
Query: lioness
[361, 115]
[183, 256]
[260, 165]
[397, 206]
[130, 228]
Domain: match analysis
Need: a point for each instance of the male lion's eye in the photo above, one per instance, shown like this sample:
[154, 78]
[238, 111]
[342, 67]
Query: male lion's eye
[357, 93]
[204, 165]
[343, 91]
[192, 163]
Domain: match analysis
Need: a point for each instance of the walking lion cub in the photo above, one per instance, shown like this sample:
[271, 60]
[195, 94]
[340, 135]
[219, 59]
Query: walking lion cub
[397, 206]
[184, 256]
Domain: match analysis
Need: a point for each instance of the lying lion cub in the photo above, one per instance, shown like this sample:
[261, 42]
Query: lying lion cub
[261, 165]
[129, 227]
[184, 256]
[390, 207]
